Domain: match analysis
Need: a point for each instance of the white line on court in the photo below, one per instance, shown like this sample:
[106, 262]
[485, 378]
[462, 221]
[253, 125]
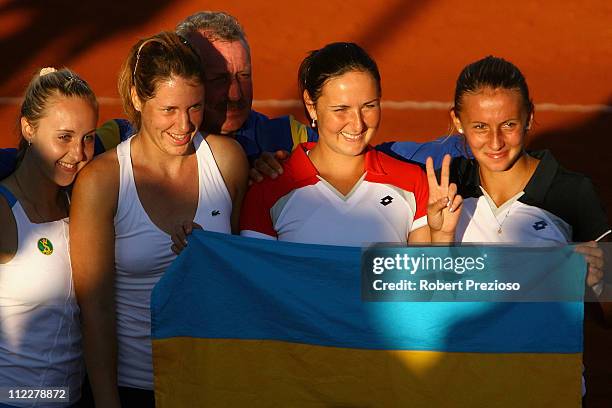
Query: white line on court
[438, 105]
[395, 105]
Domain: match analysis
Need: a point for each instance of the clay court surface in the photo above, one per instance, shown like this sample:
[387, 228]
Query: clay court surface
[563, 47]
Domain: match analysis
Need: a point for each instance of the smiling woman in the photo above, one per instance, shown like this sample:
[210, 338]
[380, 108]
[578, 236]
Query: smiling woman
[136, 201]
[348, 114]
[173, 116]
[513, 195]
[40, 340]
[340, 191]
[495, 123]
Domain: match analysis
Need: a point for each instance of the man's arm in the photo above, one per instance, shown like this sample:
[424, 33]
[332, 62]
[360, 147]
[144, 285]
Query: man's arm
[269, 163]
[417, 153]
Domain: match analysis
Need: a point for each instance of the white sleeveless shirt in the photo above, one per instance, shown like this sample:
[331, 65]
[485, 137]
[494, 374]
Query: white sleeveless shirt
[40, 337]
[142, 255]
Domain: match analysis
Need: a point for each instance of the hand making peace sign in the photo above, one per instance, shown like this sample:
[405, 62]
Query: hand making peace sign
[444, 207]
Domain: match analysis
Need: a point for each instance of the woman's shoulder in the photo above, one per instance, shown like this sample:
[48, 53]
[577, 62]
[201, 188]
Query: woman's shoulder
[568, 194]
[298, 172]
[99, 179]
[557, 182]
[392, 164]
[231, 162]
[384, 168]
[228, 155]
[225, 147]
[102, 168]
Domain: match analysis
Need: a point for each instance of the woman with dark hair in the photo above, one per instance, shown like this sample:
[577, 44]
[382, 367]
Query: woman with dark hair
[135, 201]
[40, 340]
[340, 191]
[511, 195]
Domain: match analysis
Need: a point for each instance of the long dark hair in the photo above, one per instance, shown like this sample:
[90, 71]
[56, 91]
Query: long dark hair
[491, 72]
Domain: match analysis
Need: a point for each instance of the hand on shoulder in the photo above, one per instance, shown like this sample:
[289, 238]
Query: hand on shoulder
[269, 165]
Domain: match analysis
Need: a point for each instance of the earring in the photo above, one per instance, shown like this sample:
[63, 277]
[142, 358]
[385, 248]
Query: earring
[314, 123]
[29, 143]
[460, 131]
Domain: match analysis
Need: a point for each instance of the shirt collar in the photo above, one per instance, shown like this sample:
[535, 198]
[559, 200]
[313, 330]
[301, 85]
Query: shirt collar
[542, 179]
[301, 162]
[535, 190]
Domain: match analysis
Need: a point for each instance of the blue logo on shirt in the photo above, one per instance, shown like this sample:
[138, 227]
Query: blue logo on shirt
[540, 225]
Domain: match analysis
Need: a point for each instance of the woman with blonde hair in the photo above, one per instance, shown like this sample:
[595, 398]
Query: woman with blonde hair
[40, 339]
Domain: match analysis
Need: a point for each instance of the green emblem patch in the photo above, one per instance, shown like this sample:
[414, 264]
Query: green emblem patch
[45, 246]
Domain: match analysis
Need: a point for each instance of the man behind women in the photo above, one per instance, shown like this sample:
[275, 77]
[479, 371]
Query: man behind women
[225, 53]
[226, 57]
[128, 202]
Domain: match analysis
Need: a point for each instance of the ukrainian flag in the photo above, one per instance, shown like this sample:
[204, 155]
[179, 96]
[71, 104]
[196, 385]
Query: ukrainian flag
[240, 322]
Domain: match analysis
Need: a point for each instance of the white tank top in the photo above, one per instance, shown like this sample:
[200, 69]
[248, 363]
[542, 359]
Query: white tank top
[142, 254]
[40, 337]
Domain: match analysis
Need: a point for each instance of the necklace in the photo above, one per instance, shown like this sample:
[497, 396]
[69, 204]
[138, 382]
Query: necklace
[500, 225]
[492, 205]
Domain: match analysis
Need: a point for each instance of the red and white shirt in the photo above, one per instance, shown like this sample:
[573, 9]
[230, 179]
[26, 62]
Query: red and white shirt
[385, 205]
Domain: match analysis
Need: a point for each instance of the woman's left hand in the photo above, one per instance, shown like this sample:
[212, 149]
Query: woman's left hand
[594, 257]
[444, 206]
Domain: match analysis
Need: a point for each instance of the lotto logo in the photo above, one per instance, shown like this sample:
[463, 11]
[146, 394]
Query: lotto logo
[386, 200]
[540, 225]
